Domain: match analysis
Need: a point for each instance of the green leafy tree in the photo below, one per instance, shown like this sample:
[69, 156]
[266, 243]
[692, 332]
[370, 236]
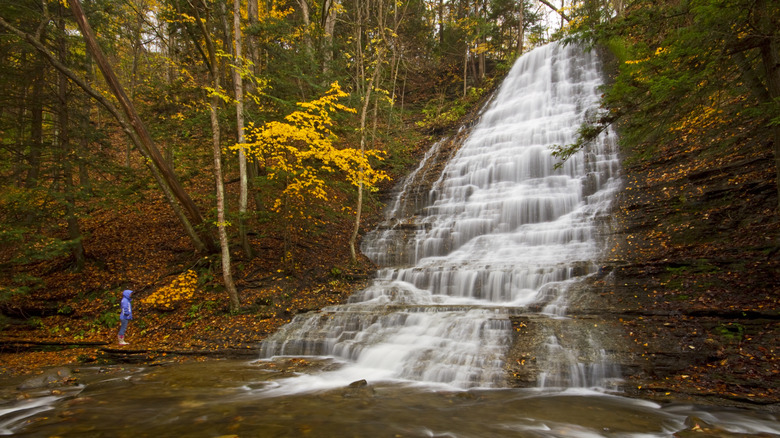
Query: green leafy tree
[697, 68]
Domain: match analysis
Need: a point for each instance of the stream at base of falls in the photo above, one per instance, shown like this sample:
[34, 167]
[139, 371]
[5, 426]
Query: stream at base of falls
[232, 399]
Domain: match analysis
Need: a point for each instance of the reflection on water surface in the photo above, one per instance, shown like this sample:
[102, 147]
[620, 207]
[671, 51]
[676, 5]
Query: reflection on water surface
[232, 398]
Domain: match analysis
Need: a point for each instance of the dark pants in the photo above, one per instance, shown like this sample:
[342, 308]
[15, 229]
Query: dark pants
[123, 327]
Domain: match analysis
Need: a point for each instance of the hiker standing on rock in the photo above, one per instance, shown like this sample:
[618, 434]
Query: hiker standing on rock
[125, 316]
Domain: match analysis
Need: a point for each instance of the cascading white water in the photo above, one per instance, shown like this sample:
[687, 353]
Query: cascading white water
[501, 230]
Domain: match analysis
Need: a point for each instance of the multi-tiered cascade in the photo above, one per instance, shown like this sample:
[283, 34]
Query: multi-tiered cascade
[501, 231]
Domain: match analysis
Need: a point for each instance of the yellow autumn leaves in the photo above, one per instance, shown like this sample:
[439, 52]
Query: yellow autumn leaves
[300, 149]
[182, 288]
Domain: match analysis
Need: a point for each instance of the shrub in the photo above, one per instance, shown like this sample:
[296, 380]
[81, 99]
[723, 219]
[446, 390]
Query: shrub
[181, 289]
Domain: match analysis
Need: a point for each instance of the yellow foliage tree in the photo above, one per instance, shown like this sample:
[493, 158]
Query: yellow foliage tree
[182, 288]
[300, 149]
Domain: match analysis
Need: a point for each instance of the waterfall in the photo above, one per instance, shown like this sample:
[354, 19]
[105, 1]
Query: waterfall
[499, 232]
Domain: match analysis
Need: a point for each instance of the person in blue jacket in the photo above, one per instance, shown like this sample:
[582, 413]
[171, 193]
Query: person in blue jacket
[125, 316]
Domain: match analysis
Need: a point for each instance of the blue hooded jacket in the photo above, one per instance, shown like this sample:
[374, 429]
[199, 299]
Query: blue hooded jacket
[127, 308]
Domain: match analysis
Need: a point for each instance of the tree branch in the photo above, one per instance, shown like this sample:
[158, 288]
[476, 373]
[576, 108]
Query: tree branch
[558, 11]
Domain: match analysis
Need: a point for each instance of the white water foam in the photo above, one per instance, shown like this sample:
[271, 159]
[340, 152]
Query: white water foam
[500, 229]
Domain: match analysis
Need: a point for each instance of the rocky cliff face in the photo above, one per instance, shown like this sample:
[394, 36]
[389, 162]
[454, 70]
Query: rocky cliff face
[691, 282]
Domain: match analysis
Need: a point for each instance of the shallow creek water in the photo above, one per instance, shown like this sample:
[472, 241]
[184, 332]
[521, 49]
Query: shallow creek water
[242, 398]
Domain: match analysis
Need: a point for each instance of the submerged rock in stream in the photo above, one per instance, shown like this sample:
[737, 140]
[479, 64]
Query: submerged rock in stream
[50, 378]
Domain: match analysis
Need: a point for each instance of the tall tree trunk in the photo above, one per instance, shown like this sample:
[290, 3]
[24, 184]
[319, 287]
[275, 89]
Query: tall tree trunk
[254, 53]
[306, 17]
[136, 46]
[203, 241]
[363, 114]
[465, 69]
[253, 47]
[63, 138]
[328, 27]
[396, 67]
[170, 53]
[765, 24]
[365, 91]
[242, 165]
[227, 275]
[360, 76]
[521, 29]
[441, 23]
[84, 179]
[374, 122]
[771, 61]
[482, 42]
[474, 73]
[563, 5]
[36, 130]
[85, 182]
[21, 141]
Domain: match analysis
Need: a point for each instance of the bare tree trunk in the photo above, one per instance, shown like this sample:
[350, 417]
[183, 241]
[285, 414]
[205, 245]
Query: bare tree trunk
[253, 49]
[359, 61]
[396, 67]
[363, 114]
[253, 169]
[465, 69]
[136, 46]
[74, 231]
[328, 26]
[483, 41]
[36, 130]
[379, 58]
[769, 47]
[360, 78]
[234, 48]
[239, 92]
[771, 62]
[18, 167]
[374, 121]
[227, 275]
[84, 180]
[619, 7]
[306, 17]
[403, 97]
[441, 22]
[473, 68]
[521, 30]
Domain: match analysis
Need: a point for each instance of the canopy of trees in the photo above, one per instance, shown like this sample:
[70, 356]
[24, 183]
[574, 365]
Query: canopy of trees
[103, 99]
[99, 97]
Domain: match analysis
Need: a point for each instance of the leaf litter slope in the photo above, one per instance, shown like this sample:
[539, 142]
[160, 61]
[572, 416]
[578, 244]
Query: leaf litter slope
[140, 246]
